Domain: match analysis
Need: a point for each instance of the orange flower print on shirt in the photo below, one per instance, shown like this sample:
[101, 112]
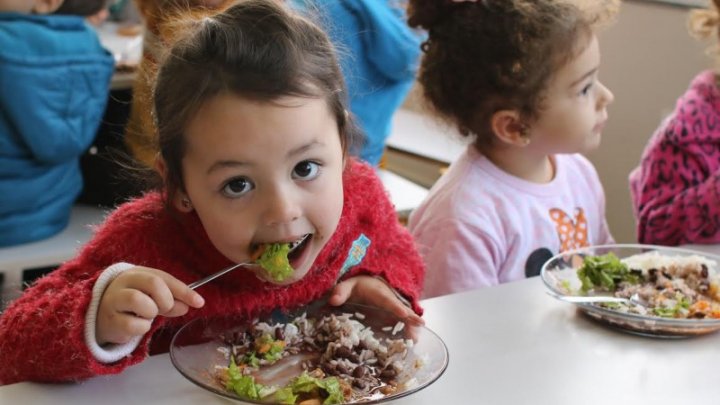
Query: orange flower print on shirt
[573, 232]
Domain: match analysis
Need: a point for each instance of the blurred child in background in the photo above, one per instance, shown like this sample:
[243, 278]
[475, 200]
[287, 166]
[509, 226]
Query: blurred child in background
[676, 188]
[159, 18]
[379, 55]
[94, 11]
[522, 78]
[54, 81]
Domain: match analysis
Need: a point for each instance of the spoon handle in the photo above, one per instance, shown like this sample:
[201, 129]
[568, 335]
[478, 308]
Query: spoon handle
[213, 276]
[588, 299]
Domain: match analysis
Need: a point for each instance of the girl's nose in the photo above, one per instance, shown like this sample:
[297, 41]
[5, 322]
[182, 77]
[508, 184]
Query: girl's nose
[282, 207]
[606, 96]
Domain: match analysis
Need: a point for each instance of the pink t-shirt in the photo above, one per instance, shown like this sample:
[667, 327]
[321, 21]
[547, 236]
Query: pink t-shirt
[481, 226]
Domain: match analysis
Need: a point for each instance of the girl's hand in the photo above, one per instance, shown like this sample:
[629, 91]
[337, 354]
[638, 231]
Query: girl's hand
[135, 298]
[372, 291]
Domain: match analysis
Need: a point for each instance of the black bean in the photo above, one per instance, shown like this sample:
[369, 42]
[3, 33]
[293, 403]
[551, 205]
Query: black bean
[343, 352]
[359, 372]
[388, 373]
[704, 271]
[359, 384]
[279, 334]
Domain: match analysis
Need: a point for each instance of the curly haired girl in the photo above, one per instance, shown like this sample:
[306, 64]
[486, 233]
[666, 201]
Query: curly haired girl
[521, 79]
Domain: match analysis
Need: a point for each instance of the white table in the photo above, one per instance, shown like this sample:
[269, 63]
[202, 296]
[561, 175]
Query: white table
[126, 50]
[48, 252]
[510, 344]
[425, 136]
[404, 194]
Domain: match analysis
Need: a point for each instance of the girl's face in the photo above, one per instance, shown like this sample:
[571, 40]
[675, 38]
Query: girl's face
[575, 109]
[265, 172]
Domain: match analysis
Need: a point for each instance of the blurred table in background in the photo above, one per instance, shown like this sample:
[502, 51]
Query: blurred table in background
[420, 147]
[125, 42]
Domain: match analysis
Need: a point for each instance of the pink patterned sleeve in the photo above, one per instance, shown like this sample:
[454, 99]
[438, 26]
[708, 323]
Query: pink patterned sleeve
[676, 193]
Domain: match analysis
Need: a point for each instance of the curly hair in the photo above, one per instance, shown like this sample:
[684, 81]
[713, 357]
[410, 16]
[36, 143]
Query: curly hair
[489, 55]
[704, 23]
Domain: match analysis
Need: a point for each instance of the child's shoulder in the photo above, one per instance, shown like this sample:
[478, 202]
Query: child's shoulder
[138, 213]
[357, 171]
[47, 36]
[576, 165]
[689, 121]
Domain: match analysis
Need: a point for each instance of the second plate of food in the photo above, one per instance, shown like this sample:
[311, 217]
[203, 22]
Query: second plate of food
[675, 292]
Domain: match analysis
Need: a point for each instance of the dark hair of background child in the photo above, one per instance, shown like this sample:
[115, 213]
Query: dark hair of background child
[491, 55]
[81, 7]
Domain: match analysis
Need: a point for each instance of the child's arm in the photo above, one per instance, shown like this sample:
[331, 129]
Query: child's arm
[53, 318]
[673, 203]
[42, 332]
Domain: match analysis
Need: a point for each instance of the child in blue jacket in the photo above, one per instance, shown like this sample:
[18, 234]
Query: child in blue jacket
[379, 57]
[54, 83]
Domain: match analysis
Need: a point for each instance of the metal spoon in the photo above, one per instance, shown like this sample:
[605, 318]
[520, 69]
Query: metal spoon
[252, 262]
[213, 276]
[581, 299]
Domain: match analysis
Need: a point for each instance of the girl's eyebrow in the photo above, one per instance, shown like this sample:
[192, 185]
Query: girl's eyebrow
[221, 164]
[585, 76]
[303, 148]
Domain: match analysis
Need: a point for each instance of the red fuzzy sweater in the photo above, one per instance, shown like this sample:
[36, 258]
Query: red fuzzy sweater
[41, 333]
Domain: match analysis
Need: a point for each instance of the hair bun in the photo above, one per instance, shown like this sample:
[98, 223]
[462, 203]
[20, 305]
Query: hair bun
[426, 14]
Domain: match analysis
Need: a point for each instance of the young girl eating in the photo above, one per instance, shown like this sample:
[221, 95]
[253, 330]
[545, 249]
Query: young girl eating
[253, 136]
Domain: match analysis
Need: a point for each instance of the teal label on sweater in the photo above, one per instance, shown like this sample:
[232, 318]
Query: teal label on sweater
[356, 254]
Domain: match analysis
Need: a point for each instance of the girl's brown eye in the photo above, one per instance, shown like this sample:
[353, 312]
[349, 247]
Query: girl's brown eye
[237, 187]
[306, 170]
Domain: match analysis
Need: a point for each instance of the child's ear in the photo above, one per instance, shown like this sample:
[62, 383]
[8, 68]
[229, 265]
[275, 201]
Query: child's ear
[46, 6]
[509, 128]
[180, 199]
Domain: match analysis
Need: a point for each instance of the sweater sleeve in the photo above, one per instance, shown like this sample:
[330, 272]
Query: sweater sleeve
[48, 322]
[49, 319]
[675, 202]
[391, 253]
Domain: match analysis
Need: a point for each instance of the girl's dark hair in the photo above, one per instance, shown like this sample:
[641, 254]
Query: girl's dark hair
[489, 55]
[255, 49]
[82, 8]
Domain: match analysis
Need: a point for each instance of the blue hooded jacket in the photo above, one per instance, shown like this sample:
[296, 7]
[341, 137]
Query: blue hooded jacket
[379, 56]
[54, 85]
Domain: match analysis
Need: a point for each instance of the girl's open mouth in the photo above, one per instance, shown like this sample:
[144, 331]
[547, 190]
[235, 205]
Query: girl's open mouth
[298, 247]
